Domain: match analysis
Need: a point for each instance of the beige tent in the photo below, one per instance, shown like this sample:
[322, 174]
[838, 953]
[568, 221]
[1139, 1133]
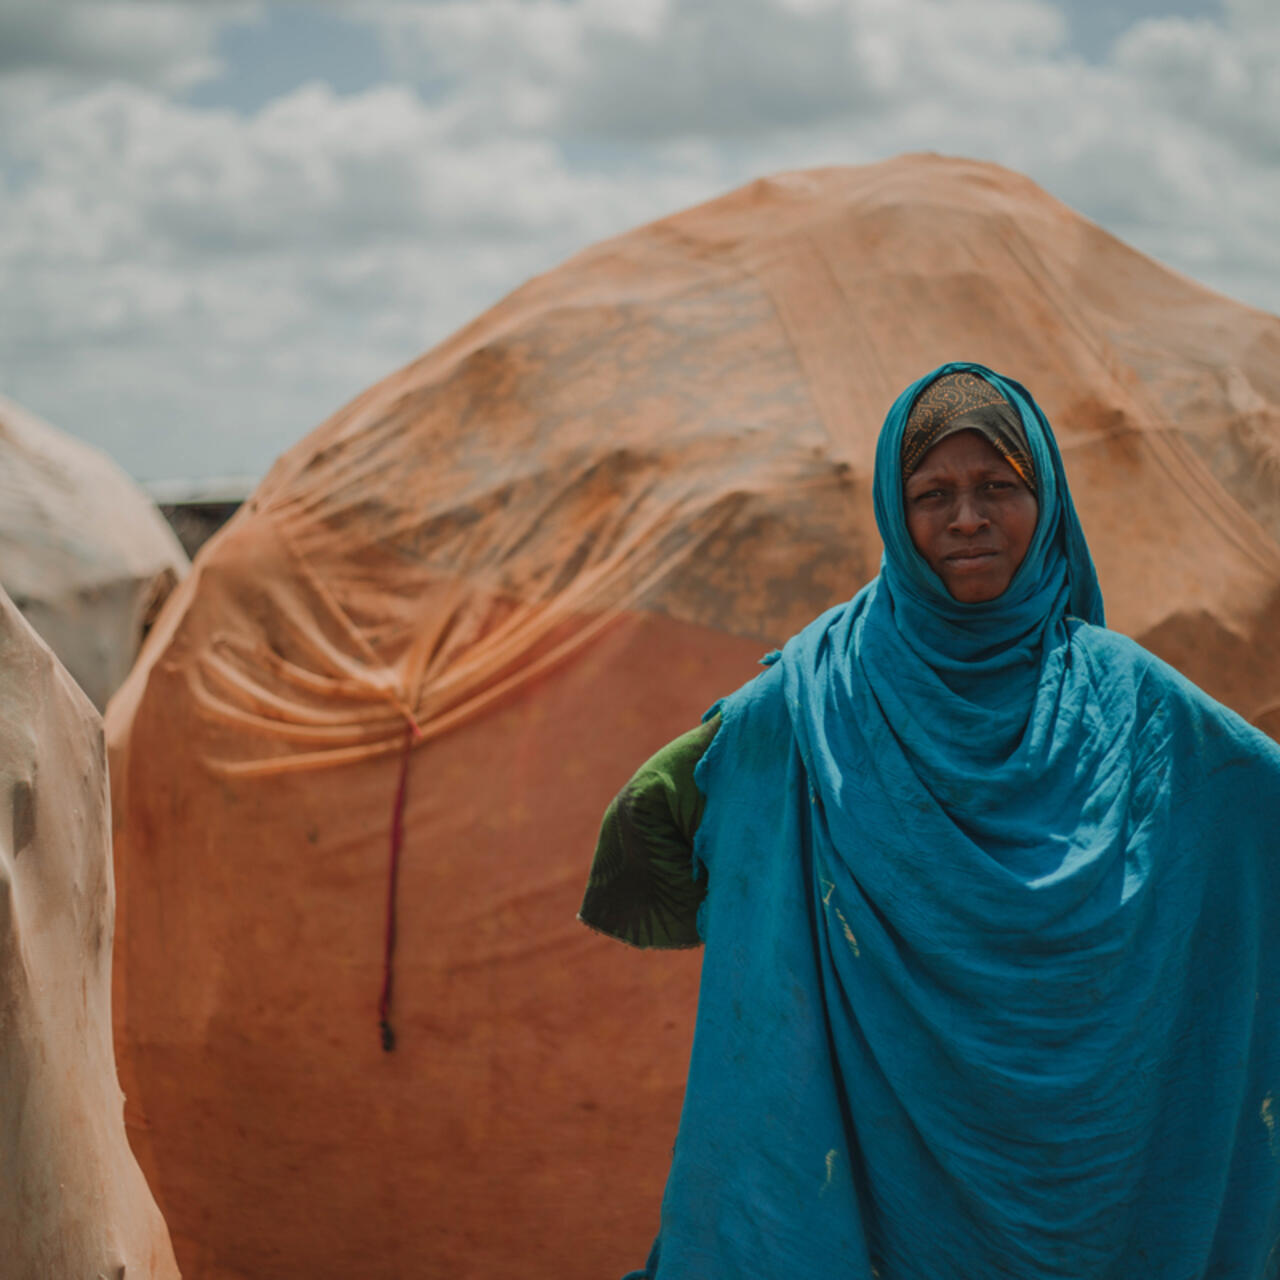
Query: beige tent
[73, 1204]
[83, 552]
[453, 619]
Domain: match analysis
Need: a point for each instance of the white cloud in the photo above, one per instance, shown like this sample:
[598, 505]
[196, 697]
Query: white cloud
[1224, 79]
[178, 265]
[697, 68]
[194, 288]
[166, 44]
[124, 172]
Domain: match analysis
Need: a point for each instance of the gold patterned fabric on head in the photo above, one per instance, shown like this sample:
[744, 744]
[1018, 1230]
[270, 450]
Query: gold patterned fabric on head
[966, 402]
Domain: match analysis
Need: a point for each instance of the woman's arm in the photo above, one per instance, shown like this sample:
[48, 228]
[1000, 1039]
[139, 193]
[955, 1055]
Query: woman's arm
[641, 887]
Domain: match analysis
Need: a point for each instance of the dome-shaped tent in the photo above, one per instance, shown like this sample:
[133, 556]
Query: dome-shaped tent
[84, 553]
[72, 1200]
[489, 586]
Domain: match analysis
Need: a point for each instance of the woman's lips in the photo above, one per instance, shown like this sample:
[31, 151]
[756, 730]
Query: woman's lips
[969, 558]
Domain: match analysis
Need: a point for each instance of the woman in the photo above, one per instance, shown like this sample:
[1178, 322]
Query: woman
[989, 988]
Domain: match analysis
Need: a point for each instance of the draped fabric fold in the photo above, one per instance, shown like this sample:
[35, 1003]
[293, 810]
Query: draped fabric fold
[992, 980]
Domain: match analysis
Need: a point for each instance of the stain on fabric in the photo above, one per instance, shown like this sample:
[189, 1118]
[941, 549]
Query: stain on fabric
[1268, 1114]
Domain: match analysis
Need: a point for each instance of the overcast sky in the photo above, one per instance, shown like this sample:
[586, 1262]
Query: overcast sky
[219, 220]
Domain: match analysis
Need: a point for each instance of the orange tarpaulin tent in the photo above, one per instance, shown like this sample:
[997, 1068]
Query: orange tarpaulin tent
[72, 1200]
[470, 603]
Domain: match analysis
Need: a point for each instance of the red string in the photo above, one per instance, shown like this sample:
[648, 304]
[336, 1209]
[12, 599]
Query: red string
[393, 875]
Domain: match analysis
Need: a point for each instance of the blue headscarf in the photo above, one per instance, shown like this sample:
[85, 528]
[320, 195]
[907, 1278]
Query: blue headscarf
[997, 644]
[992, 976]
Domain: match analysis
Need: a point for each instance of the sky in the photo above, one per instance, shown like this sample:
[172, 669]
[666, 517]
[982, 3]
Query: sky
[221, 220]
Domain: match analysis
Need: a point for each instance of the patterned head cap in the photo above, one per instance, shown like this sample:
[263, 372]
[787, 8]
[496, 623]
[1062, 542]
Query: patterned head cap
[966, 402]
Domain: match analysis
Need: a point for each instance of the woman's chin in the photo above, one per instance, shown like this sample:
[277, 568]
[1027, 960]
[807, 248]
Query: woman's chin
[969, 587]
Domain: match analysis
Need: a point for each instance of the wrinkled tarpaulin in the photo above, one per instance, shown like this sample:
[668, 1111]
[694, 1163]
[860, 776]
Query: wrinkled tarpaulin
[72, 1200]
[550, 543]
[84, 553]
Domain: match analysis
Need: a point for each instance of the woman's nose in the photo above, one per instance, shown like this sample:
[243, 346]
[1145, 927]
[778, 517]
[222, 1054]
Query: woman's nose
[968, 516]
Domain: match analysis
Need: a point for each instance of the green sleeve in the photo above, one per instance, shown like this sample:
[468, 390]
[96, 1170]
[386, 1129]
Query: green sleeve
[641, 888]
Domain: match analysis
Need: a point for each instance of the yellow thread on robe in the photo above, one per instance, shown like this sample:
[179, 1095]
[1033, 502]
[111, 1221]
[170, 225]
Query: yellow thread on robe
[848, 933]
[831, 1167]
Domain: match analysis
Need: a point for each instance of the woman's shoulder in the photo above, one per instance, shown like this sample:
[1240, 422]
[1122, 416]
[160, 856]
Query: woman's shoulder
[1120, 668]
[1118, 662]
[1111, 654]
[757, 705]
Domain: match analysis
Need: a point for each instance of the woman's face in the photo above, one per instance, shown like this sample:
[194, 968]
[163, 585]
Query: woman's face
[970, 516]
